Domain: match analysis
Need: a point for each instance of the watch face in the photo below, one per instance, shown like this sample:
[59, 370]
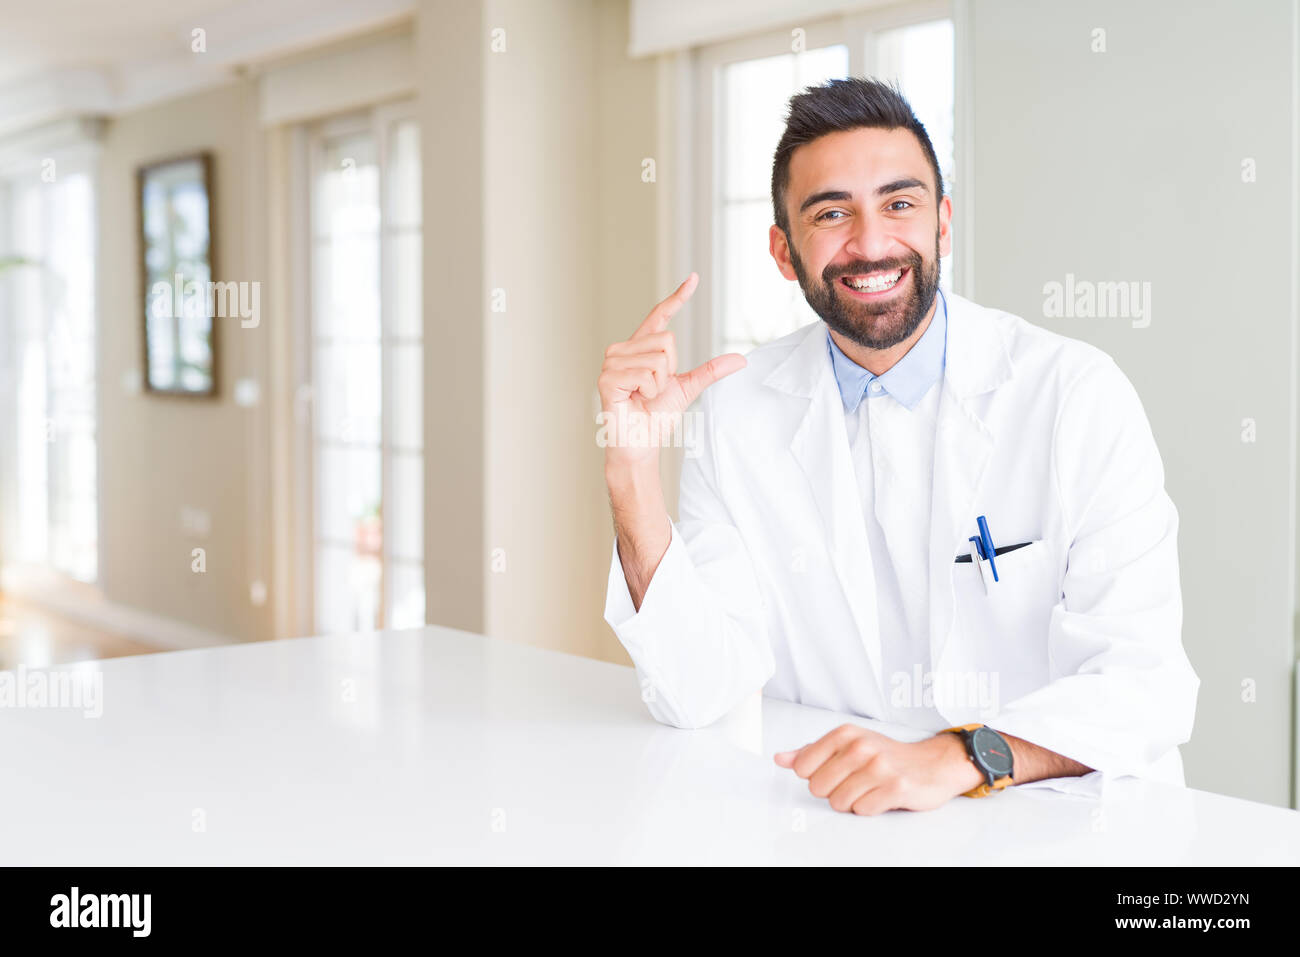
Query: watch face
[992, 750]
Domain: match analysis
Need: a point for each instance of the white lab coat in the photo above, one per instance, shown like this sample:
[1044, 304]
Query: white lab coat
[768, 581]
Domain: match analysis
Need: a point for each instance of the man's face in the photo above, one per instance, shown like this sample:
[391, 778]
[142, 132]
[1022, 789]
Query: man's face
[866, 233]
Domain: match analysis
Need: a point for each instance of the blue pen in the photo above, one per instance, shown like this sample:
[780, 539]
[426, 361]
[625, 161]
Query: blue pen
[987, 541]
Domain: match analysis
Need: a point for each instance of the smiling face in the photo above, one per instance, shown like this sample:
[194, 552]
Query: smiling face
[867, 229]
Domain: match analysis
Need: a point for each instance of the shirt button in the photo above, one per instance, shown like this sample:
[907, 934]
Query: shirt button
[875, 387]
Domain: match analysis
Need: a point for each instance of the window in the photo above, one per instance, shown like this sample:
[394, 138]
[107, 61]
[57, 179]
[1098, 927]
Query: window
[744, 93]
[758, 304]
[919, 58]
[48, 365]
[367, 374]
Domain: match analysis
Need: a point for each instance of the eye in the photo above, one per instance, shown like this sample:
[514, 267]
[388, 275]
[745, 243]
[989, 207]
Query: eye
[822, 216]
[899, 202]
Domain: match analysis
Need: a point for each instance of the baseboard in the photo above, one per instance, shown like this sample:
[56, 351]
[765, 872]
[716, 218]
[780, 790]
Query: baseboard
[87, 605]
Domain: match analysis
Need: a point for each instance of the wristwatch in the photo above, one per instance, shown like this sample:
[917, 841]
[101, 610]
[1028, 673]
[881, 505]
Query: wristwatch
[989, 752]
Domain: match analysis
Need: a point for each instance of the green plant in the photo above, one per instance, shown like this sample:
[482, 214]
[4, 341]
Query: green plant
[13, 262]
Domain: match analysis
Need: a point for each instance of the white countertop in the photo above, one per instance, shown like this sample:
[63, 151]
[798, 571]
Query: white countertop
[436, 746]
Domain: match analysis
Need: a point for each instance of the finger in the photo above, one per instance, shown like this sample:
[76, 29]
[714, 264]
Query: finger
[657, 320]
[640, 360]
[855, 785]
[648, 387]
[813, 756]
[617, 385]
[656, 362]
[877, 800]
[650, 342]
[658, 343]
[845, 762]
[701, 377]
[786, 758]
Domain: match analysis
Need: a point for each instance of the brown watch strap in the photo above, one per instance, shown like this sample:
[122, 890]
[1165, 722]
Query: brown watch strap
[985, 789]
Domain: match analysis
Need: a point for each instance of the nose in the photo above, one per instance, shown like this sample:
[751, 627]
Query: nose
[872, 239]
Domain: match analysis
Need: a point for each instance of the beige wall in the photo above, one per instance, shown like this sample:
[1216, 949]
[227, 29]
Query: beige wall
[161, 454]
[450, 63]
[570, 240]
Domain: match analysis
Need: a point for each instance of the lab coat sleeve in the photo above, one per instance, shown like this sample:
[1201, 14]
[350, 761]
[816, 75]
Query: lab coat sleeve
[699, 641]
[1122, 692]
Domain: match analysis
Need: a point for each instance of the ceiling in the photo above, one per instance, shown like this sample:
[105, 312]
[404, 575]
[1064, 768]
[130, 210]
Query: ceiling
[73, 57]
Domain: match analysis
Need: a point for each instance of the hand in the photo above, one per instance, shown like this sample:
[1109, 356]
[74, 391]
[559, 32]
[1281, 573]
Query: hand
[867, 773]
[641, 392]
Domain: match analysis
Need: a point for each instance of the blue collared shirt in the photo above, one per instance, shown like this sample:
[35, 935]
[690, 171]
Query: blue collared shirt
[909, 379]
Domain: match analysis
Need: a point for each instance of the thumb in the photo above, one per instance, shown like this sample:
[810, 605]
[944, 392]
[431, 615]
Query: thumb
[701, 377]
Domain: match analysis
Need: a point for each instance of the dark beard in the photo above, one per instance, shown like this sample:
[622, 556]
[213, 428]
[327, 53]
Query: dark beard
[869, 325]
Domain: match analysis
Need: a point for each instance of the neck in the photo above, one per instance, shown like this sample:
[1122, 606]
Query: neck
[880, 361]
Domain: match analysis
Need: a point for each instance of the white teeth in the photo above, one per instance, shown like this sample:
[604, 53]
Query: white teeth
[876, 283]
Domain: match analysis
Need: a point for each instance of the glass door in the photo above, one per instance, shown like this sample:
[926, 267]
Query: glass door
[366, 348]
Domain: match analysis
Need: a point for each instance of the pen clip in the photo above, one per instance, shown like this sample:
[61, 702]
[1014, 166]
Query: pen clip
[975, 558]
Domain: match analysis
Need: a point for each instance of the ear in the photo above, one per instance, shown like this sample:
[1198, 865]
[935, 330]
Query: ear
[945, 226]
[780, 250]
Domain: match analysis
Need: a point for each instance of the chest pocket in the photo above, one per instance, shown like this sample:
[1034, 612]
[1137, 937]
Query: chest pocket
[1004, 632]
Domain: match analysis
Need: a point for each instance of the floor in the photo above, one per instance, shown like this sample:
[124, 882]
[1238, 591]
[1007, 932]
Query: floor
[36, 638]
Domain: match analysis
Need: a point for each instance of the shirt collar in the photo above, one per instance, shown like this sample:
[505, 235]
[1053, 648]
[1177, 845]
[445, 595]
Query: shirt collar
[909, 379]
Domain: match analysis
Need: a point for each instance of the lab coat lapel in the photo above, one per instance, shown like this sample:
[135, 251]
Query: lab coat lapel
[820, 446]
[977, 362]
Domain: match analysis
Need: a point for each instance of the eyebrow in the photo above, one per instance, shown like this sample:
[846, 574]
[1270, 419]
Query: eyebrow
[840, 195]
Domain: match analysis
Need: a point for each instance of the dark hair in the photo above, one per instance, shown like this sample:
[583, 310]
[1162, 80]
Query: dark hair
[843, 104]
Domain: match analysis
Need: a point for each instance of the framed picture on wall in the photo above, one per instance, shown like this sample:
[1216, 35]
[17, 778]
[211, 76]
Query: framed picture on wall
[176, 243]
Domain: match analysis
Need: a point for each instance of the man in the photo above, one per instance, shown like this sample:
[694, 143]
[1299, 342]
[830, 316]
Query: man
[918, 510]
